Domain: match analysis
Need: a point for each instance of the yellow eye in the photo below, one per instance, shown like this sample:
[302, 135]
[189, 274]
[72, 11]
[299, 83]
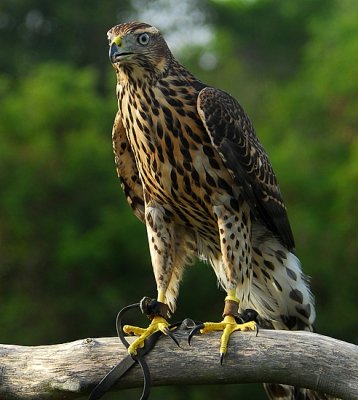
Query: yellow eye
[143, 39]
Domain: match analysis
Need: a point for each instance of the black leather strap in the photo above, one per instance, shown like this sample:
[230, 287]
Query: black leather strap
[153, 307]
[127, 363]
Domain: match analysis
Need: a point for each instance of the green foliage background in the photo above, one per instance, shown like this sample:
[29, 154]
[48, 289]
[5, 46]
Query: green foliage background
[71, 252]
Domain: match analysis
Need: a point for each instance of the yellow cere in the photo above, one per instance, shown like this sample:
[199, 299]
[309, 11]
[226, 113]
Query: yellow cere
[117, 40]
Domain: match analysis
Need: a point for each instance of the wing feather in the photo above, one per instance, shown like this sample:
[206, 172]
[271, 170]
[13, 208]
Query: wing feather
[233, 135]
[126, 168]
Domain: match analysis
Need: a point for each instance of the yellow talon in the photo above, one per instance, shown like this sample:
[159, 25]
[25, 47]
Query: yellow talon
[133, 330]
[228, 325]
[158, 324]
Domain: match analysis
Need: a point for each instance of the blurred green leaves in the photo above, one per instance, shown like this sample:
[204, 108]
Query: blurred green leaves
[63, 221]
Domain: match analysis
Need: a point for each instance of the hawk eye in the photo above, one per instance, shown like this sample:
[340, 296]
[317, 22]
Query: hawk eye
[143, 39]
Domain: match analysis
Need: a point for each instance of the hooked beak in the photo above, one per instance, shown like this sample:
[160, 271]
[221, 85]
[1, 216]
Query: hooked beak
[113, 52]
[116, 53]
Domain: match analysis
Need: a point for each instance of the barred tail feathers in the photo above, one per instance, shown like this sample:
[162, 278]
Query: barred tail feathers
[281, 295]
[279, 290]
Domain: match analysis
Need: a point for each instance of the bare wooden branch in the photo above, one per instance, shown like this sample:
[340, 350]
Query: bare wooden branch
[70, 370]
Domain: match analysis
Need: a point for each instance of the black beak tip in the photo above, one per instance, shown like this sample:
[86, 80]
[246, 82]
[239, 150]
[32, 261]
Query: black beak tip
[113, 52]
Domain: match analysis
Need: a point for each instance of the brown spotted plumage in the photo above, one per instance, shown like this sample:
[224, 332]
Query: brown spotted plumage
[195, 173]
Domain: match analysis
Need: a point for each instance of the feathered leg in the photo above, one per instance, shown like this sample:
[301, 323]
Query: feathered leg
[161, 238]
[234, 271]
[171, 248]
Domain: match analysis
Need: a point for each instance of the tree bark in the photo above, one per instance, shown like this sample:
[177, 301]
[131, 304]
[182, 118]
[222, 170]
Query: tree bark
[71, 370]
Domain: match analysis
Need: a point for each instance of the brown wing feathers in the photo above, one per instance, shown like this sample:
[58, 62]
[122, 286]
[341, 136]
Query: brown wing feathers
[126, 168]
[234, 137]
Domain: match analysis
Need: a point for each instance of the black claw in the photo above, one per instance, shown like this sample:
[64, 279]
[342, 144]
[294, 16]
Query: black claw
[172, 336]
[195, 330]
[257, 329]
[222, 355]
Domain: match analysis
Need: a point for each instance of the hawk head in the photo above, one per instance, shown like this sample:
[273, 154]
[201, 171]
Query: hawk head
[136, 47]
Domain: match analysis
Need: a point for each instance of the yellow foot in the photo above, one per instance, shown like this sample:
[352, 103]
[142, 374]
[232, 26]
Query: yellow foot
[158, 324]
[228, 325]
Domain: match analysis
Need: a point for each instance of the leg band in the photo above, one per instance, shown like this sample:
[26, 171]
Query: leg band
[231, 308]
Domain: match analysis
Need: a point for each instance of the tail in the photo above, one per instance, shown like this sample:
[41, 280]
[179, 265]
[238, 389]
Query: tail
[281, 295]
[284, 392]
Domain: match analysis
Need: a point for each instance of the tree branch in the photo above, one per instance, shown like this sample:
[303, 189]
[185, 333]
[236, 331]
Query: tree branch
[70, 370]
